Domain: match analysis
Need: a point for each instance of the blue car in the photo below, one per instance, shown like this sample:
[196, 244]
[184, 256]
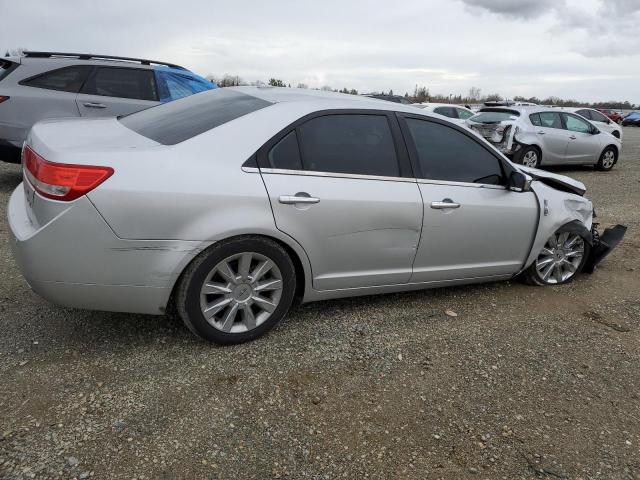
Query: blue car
[42, 85]
[632, 119]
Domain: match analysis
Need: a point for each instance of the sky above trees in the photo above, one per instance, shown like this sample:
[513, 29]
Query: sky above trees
[583, 49]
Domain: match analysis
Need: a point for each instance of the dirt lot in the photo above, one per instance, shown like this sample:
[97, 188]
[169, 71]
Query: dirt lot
[524, 383]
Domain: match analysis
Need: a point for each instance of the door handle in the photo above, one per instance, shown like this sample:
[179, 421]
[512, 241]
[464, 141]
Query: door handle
[293, 199]
[542, 133]
[94, 105]
[444, 204]
[573, 137]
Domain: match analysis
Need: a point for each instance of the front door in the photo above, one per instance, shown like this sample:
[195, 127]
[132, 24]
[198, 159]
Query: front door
[584, 146]
[473, 227]
[337, 187]
[552, 137]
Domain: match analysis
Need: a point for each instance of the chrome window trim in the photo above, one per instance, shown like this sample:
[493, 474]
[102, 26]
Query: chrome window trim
[309, 173]
[250, 169]
[460, 184]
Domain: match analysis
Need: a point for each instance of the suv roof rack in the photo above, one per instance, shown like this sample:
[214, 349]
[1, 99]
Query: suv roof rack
[91, 56]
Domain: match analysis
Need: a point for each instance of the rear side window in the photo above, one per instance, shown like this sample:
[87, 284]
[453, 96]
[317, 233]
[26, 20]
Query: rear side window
[175, 122]
[134, 83]
[286, 154]
[494, 116]
[550, 120]
[67, 79]
[449, 155]
[352, 144]
[464, 114]
[173, 85]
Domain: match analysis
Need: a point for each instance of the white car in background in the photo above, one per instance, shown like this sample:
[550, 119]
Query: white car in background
[454, 112]
[599, 120]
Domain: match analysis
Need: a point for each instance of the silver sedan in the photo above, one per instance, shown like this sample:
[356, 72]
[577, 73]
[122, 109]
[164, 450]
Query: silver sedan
[234, 204]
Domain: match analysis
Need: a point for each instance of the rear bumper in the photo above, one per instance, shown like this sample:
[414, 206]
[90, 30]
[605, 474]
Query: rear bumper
[75, 259]
[603, 245]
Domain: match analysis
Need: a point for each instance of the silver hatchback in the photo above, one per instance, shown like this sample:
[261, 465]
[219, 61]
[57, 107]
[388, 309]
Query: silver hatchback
[233, 204]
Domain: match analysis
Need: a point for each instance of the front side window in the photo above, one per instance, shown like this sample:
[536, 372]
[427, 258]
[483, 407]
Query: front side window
[67, 79]
[351, 144]
[585, 114]
[550, 120]
[576, 124]
[449, 155]
[134, 83]
[174, 85]
[535, 119]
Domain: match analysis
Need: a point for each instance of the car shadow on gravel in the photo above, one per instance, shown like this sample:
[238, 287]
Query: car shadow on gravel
[9, 180]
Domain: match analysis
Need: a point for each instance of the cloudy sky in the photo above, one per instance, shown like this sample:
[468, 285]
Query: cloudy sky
[583, 49]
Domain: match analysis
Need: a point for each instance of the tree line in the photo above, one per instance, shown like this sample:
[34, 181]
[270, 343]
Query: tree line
[421, 94]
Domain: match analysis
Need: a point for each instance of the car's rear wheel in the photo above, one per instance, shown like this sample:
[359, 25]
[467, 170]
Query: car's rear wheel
[528, 157]
[237, 290]
[607, 159]
[560, 260]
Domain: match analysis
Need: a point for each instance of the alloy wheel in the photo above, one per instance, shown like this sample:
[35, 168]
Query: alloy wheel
[608, 159]
[241, 292]
[560, 258]
[530, 159]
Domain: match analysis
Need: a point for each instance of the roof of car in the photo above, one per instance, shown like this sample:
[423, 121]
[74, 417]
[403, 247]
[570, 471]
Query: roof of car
[436, 105]
[286, 94]
[85, 58]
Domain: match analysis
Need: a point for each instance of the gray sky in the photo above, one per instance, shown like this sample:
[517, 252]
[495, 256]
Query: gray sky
[583, 49]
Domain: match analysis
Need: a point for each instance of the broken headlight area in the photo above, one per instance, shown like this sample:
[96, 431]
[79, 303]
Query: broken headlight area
[602, 245]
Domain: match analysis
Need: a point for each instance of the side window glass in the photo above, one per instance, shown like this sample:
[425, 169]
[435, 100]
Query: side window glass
[575, 124]
[285, 154]
[463, 114]
[447, 154]
[352, 144]
[585, 113]
[550, 120]
[68, 79]
[598, 117]
[535, 119]
[134, 83]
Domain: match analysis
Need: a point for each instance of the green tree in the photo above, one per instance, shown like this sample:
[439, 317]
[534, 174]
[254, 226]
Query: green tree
[276, 82]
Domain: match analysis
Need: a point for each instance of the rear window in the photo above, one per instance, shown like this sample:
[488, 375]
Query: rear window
[175, 122]
[494, 116]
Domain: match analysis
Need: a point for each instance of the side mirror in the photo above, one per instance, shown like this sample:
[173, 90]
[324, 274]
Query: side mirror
[594, 131]
[519, 182]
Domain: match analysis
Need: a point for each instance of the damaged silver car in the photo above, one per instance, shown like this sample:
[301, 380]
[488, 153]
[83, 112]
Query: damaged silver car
[539, 136]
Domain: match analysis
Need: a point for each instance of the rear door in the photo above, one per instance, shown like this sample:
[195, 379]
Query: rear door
[340, 184]
[583, 147]
[473, 227]
[114, 91]
[552, 136]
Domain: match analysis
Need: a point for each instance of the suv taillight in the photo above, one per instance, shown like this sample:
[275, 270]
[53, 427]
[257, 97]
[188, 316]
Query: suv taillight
[3, 98]
[61, 181]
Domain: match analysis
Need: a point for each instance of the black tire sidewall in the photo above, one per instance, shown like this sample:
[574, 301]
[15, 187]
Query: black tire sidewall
[196, 278]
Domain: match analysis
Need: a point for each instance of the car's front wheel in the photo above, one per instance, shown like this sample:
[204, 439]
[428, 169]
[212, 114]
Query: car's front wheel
[560, 260]
[237, 290]
[607, 159]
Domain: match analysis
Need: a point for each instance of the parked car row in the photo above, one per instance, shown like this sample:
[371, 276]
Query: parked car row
[42, 85]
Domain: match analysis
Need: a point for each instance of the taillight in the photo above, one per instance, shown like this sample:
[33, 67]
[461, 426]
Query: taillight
[3, 98]
[61, 181]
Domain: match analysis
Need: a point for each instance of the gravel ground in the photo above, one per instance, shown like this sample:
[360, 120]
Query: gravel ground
[523, 383]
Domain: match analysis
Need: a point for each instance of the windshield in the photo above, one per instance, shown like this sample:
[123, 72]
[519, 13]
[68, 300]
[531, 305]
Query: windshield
[494, 115]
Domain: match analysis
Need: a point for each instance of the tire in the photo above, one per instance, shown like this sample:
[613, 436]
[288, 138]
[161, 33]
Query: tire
[608, 158]
[237, 290]
[558, 259]
[529, 157]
